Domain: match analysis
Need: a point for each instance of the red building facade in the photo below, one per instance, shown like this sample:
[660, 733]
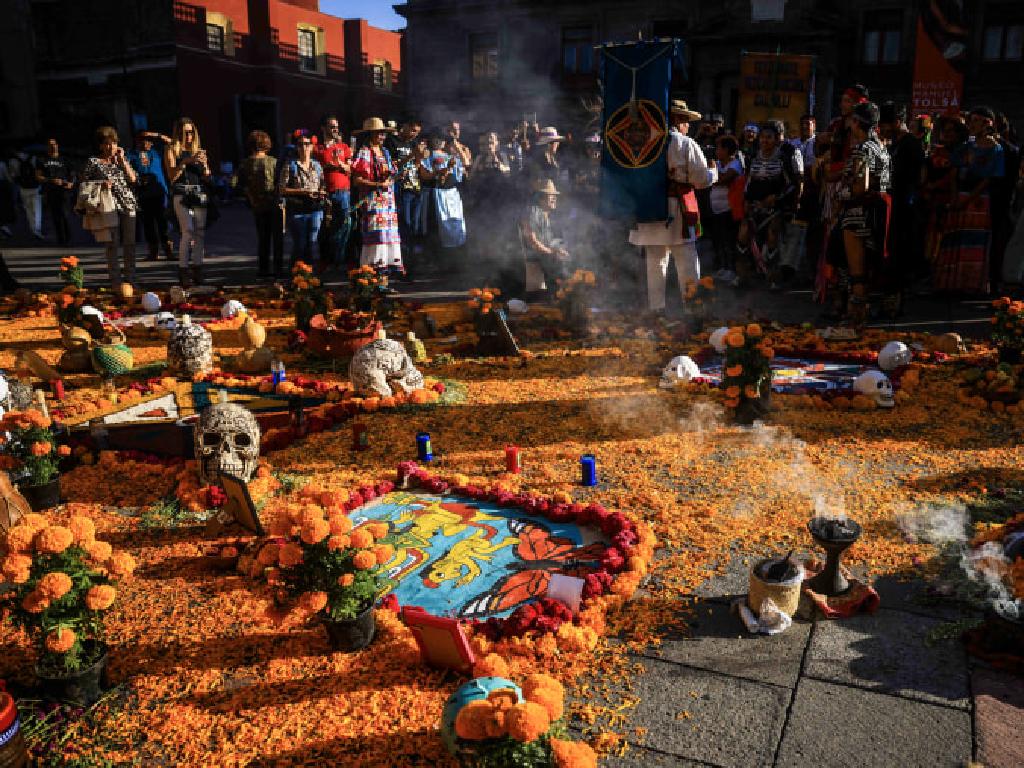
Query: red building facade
[230, 65]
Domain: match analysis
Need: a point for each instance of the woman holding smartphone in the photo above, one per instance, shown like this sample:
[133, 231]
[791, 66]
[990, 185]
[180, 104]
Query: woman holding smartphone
[111, 166]
[188, 171]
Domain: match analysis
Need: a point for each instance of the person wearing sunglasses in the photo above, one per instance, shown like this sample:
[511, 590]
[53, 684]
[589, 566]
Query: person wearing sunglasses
[303, 189]
[188, 170]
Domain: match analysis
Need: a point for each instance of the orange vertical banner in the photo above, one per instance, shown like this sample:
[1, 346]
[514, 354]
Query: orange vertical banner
[938, 80]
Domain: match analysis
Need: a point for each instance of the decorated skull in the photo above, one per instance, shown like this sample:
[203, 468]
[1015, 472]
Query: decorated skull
[150, 302]
[227, 439]
[678, 371]
[190, 349]
[717, 339]
[894, 355]
[231, 308]
[876, 386]
[164, 321]
[5, 394]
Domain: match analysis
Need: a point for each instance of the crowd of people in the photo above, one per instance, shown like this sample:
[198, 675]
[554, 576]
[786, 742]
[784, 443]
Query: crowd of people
[868, 206]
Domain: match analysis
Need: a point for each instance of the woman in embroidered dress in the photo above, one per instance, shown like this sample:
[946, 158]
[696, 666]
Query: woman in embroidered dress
[113, 169]
[374, 175]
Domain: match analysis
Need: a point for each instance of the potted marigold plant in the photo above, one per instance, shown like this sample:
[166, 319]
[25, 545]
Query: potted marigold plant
[71, 271]
[576, 295]
[1008, 329]
[310, 298]
[333, 571]
[490, 722]
[366, 285]
[746, 373]
[31, 452]
[61, 576]
[700, 294]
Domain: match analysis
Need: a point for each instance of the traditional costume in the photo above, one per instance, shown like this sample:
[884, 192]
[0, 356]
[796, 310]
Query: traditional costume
[378, 215]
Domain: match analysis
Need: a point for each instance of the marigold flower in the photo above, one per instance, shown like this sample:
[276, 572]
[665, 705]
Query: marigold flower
[377, 530]
[364, 560]
[751, 392]
[19, 539]
[527, 721]
[491, 665]
[346, 579]
[34, 602]
[340, 523]
[290, 555]
[100, 551]
[40, 448]
[268, 554]
[734, 370]
[61, 640]
[732, 392]
[707, 282]
[100, 597]
[361, 538]
[83, 529]
[64, 450]
[315, 531]
[35, 521]
[735, 339]
[503, 698]
[313, 601]
[383, 553]
[16, 567]
[121, 564]
[53, 540]
[753, 330]
[54, 585]
[338, 542]
[471, 722]
[572, 754]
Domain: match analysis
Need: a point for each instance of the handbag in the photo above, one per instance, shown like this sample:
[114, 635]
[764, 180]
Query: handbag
[192, 195]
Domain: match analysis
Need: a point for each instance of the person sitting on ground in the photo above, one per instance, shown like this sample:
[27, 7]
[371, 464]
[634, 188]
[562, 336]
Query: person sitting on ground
[539, 238]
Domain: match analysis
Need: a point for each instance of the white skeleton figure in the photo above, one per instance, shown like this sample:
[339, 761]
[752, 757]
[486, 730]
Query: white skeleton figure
[894, 355]
[227, 439]
[383, 366]
[876, 386]
[164, 320]
[678, 371]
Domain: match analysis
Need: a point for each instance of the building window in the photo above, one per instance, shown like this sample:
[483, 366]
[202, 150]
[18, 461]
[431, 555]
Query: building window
[767, 10]
[307, 50]
[215, 38]
[883, 33]
[1003, 42]
[577, 50]
[483, 56]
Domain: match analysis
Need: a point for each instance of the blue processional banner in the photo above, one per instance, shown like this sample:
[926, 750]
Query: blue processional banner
[636, 79]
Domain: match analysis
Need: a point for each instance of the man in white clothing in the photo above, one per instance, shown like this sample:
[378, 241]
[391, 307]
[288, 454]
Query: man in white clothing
[687, 171]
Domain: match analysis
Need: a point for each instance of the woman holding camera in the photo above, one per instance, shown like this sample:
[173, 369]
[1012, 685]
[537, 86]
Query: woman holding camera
[111, 167]
[188, 171]
[304, 192]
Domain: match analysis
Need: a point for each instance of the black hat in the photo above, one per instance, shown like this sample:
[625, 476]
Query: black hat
[866, 114]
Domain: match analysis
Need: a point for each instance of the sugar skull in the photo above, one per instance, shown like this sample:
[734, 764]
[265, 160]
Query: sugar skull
[190, 349]
[876, 386]
[227, 439]
[894, 355]
[678, 371]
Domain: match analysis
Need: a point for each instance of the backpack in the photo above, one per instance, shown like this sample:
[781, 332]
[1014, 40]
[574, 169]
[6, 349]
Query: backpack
[26, 177]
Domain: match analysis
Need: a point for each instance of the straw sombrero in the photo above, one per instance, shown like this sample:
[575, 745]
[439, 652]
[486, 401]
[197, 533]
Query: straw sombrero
[546, 187]
[375, 125]
[679, 107]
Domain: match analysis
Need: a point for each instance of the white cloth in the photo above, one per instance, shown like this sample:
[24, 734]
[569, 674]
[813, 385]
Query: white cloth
[192, 223]
[384, 255]
[686, 162]
[33, 202]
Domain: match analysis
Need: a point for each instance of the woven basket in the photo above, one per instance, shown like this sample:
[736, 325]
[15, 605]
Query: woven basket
[113, 359]
[786, 596]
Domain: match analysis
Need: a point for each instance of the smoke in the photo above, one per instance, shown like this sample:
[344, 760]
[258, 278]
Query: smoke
[942, 525]
[705, 417]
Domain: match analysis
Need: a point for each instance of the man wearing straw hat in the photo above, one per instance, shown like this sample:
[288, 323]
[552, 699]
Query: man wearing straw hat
[687, 171]
[538, 234]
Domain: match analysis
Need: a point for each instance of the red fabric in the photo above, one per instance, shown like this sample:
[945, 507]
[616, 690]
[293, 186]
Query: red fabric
[337, 153]
[737, 199]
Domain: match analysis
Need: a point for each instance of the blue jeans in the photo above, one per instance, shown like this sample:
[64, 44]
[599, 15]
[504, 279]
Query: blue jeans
[412, 204]
[341, 224]
[305, 228]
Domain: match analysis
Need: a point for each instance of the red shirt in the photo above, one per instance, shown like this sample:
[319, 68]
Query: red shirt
[335, 154]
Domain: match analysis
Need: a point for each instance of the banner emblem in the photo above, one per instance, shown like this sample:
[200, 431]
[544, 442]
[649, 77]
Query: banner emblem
[635, 136]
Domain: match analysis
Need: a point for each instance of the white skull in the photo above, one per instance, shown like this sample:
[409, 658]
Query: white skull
[190, 349]
[227, 439]
[150, 302]
[717, 339]
[165, 320]
[678, 371]
[893, 355]
[876, 386]
[231, 308]
[5, 392]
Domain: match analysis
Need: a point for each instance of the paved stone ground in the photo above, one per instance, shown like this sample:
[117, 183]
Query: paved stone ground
[230, 260]
[862, 692]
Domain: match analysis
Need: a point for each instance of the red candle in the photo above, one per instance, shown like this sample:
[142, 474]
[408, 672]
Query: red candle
[513, 462]
[58, 389]
[360, 437]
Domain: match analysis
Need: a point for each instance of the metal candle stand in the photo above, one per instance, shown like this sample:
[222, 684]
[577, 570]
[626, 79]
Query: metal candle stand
[830, 581]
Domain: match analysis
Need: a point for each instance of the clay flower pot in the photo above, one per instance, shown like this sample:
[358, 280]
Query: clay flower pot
[352, 635]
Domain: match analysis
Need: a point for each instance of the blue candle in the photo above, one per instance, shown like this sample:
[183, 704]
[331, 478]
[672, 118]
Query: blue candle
[588, 469]
[423, 448]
